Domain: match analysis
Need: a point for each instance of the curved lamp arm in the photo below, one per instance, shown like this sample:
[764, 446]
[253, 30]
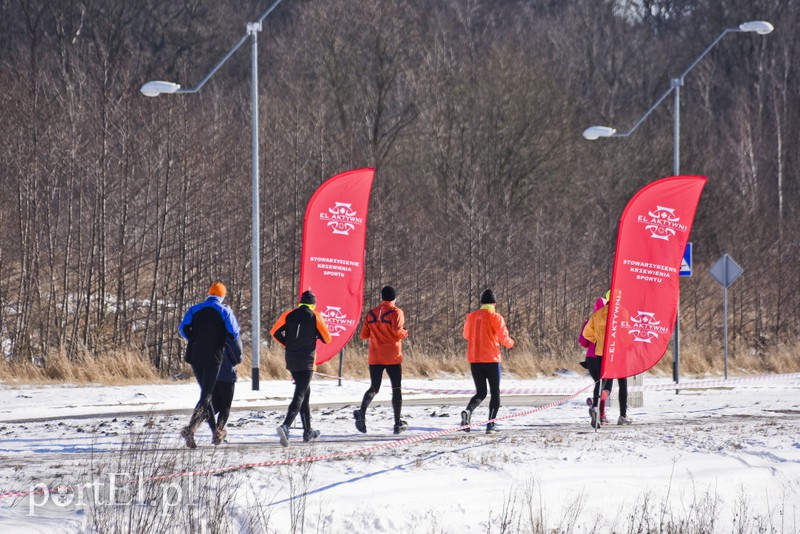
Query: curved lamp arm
[160, 87]
[760, 27]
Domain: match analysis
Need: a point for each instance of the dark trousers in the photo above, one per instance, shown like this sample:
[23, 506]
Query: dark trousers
[594, 365]
[302, 393]
[623, 396]
[483, 373]
[395, 373]
[207, 378]
[222, 400]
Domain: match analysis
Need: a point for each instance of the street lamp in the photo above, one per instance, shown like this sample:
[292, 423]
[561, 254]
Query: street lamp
[760, 27]
[156, 88]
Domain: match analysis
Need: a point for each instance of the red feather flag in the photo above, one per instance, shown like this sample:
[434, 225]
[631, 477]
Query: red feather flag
[653, 232]
[332, 262]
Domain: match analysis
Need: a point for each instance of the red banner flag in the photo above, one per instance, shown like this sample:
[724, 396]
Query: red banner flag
[332, 263]
[653, 232]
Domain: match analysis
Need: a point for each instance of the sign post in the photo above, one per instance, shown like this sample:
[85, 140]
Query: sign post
[725, 271]
[341, 364]
[686, 270]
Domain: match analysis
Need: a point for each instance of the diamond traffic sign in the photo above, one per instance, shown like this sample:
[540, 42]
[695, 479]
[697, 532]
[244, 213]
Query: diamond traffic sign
[725, 271]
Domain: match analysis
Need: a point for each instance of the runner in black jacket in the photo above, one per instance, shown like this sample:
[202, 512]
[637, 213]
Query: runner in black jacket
[206, 326]
[298, 330]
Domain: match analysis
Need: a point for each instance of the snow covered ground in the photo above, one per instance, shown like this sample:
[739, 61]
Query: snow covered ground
[705, 460]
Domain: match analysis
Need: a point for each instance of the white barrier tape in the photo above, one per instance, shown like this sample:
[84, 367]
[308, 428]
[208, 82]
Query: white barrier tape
[308, 459]
[717, 382]
[691, 384]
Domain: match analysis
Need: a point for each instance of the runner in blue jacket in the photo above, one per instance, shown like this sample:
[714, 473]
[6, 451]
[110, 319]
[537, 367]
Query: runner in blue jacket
[206, 326]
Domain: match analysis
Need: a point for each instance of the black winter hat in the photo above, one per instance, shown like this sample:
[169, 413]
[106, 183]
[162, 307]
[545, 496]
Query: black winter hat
[388, 293]
[487, 297]
[308, 297]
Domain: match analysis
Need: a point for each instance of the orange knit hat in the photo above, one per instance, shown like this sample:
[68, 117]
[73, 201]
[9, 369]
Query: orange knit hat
[218, 290]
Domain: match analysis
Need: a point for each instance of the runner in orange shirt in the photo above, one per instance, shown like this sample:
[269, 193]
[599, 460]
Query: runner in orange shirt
[383, 327]
[485, 330]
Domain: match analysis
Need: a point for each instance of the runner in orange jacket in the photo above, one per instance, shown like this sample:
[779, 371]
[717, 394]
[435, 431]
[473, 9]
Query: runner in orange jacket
[383, 327]
[485, 330]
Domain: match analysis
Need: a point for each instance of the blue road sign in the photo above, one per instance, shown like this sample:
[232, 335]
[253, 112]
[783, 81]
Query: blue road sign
[686, 263]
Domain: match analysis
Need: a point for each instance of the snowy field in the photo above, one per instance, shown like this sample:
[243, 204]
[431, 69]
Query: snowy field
[705, 460]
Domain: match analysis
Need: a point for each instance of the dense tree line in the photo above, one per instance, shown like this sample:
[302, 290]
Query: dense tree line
[119, 210]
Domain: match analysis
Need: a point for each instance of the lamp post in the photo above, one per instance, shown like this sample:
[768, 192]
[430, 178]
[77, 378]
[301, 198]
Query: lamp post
[595, 132]
[156, 88]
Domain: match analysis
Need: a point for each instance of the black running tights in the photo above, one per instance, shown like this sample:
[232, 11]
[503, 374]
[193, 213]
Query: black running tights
[300, 400]
[595, 365]
[207, 378]
[395, 373]
[481, 374]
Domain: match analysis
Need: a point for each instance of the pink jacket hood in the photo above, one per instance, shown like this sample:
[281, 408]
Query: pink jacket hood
[585, 343]
[599, 303]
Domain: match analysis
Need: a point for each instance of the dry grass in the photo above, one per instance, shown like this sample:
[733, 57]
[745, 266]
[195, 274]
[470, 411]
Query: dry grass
[271, 364]
[525, 361]
[127, 366]
[142, 502]
[522, 511]
[122, 366]
[703, 358]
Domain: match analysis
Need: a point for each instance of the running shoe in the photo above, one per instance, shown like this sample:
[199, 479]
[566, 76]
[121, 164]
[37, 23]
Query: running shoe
[309, 435]
[187, 433]
[283, 435]
[466, 415]
[361, 423]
